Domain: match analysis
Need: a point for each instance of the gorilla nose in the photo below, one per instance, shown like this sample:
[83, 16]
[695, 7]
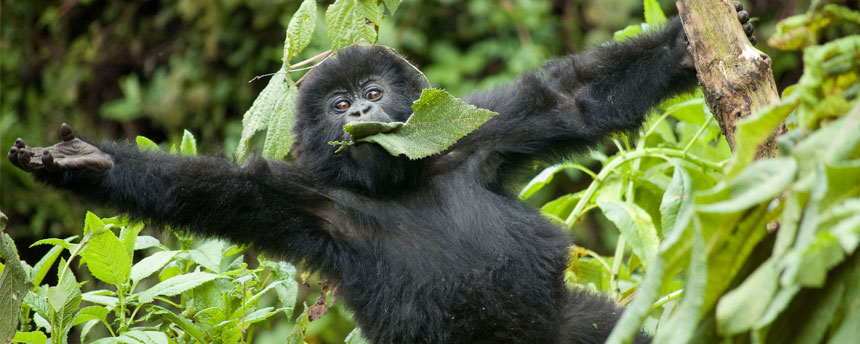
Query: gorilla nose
[361, 111]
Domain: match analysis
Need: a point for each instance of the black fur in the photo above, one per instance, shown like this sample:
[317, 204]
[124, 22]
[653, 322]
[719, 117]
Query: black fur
[428, 251]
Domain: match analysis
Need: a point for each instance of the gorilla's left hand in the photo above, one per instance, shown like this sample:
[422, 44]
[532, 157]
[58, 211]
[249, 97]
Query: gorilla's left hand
[72, 153]
[744, 18]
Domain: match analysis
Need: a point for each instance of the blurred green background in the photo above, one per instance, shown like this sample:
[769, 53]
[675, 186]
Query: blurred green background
[117, 69]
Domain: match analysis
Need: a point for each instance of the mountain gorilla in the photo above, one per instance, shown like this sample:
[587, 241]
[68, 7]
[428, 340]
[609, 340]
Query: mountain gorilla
[435, 250]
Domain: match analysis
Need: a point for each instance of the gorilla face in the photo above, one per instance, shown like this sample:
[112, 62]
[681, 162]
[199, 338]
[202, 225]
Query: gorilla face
[359, 83]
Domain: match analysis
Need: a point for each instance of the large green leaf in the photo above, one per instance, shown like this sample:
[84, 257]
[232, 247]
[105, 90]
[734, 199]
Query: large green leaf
[635, 225]
[107, 258]
[149, 265]
[188, 146]
[680, 327]
[753, 131]
[176, 285]
[437, 122]
[739, 309]
[300, 30]
[270, 104]
[653, 13]
[352, 21]
[676, 208]
[14, 284]
[761, 181]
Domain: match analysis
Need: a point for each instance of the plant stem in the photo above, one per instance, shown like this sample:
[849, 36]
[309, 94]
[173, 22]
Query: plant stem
[673, 295]
[614, 163]
[616, 267]
[698, 133]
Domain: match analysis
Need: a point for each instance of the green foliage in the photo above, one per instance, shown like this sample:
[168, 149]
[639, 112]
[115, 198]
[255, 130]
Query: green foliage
[352, 21]
[713, 275]
[437, 122]
[214, 294]
[713, 270]
[13, 282]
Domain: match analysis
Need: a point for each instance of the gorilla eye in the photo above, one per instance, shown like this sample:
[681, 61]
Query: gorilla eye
[373, 94]
[342, 105]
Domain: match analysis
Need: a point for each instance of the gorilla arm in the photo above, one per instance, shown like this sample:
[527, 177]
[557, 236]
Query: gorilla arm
[271, 205]
[575, 101]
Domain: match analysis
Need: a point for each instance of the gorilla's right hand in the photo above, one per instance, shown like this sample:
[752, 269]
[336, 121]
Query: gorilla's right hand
[71, 154]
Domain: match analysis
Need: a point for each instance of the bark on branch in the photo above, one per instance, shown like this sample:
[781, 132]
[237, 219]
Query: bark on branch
[735, 76]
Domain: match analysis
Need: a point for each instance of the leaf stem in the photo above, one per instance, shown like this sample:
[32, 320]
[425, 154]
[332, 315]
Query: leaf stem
[698, 133]
[624, 157]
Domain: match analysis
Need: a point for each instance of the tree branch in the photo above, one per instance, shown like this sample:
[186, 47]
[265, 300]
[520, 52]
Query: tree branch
[735, 76]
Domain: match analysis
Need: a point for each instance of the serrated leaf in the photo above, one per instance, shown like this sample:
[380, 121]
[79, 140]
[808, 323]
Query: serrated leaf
[680, 327]
[92, 223]
[392, 5]
[258, 117]
[64, 243]
[188, 146]
[176, 285]
[147, 337]
[352, 21]
[761, 181]
[40, 270]
[653, 13]
[143, 242]
[97, 296]
[14, 283]
[34, 337]
[208, 255]
[753, 131]
[676, 208]
[189, 327]
[437, 122]
[739, 309]
[71, 298]
[144, 144]
[260, 315]
[107, 258]
[149, 265]
[128, 236]
[297, 335]
[300, 30]
[91, 313]
[279, 136]
[635, 225]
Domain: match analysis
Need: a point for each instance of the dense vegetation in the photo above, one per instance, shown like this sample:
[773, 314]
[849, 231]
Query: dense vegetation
[709, 244]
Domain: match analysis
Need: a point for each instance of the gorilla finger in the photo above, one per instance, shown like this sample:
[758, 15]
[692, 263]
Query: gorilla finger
[24, 159]
[752, 39]
[20, 143]
[739, 6]
[743, 16]
[13, 156]
[48, 162]
[748, 28]
[66, 132]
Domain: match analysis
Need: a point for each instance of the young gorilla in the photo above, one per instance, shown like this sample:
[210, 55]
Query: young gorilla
[427, 251]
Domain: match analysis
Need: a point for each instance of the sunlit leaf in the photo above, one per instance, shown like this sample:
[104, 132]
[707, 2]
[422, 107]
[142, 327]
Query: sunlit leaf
[438, 121]
[635, 225]
[176, 285]
[352, 21]
[761, 181]
[300, 29]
